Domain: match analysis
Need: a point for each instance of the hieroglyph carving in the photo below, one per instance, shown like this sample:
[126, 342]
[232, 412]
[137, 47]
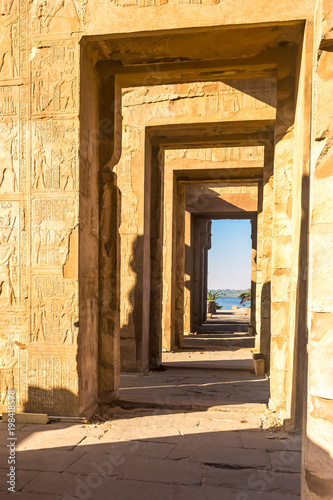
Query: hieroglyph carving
[54, 308]
[8, 359]
[13, 254]
[54, 157]
[54, 77]
[52, 223]
[13, 356]
[53, 383]
[8, 19]
[7, 135]
[6, 251]
[13, 139]
[57, 16]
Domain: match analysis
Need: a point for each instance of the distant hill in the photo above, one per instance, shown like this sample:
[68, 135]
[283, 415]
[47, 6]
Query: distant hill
[230, 292]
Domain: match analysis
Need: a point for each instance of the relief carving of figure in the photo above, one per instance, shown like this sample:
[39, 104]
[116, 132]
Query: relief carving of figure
[6, 251]
[40, 166]
[67, 11]
[36, 240]
[38, 8]
[66, 168]
[7, 19]
[8, 360]
[67, 80]
[7, 135]
[63, 241]
[66, 319]
[41, 94]
[39, 322]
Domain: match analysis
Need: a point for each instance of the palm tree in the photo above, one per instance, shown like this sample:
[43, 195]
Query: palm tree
[212, 295]
[245, 296]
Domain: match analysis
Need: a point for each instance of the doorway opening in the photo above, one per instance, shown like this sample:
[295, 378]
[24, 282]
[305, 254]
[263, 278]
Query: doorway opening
[227, 288]
[229, 274]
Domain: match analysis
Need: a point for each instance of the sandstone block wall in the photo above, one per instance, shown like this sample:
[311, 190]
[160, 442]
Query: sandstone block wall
[55, 233]
[318, 440]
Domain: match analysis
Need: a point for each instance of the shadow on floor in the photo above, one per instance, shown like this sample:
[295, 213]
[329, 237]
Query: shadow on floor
[195, 388]
[149, 454]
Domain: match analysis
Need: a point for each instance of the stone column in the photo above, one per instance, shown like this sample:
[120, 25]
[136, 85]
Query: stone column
[178, 268]
[264, 255]
[205, 245]
[156, 259]
[109, 286]
[195, 301]
[317, 472]
[188, 280]
[252, 328]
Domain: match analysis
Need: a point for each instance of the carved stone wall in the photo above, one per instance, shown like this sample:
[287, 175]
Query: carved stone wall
[156, 106]
[49, 188]
[318, 449]
[39, 203]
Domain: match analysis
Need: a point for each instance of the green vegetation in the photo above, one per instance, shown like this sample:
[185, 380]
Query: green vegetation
[245, 296]
[214, 295]
[229, 292]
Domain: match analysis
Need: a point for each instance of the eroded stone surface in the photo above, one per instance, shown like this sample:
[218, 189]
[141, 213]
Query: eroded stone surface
[179, 455]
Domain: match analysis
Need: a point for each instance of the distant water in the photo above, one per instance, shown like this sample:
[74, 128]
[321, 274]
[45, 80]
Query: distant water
[227, 302]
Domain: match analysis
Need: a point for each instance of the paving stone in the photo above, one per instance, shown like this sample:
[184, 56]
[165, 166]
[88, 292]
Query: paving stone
[286, 461]
[97, 487]
[33, 496]
[252, 479]
[143, 432]
[214, 440]
[134, 448]
[229, 416]
[47, 460]
[271, 440]
[22, 477]
[145, 453]
[65, 438]
[4, 426]
[212, 493]
[127, 465]
[4, 437]
[182, 472]
[227, 424]
[98, 463]
[220, 454]
[196, 388]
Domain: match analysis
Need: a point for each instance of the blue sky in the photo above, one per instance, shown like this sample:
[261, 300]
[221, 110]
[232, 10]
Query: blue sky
[229, 260]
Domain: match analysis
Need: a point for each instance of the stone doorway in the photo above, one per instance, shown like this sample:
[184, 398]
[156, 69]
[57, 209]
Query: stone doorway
[148, 110]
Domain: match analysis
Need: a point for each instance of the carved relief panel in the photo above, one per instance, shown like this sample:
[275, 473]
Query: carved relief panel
[54, 76]
[54, 155]
[57, 16]
[52, 223]
[53, 383]
[13, 39]
[13, 139]
[54, 311]
[13, 255]
[13, 369]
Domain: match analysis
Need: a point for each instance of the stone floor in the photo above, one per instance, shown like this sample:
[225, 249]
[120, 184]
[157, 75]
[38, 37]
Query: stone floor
[229, 316]
[219, 341]
[195, 388]
[238, 359]
[148, 454]
[178, 434]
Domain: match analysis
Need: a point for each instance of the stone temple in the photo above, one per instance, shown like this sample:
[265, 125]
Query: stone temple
[125, 127]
